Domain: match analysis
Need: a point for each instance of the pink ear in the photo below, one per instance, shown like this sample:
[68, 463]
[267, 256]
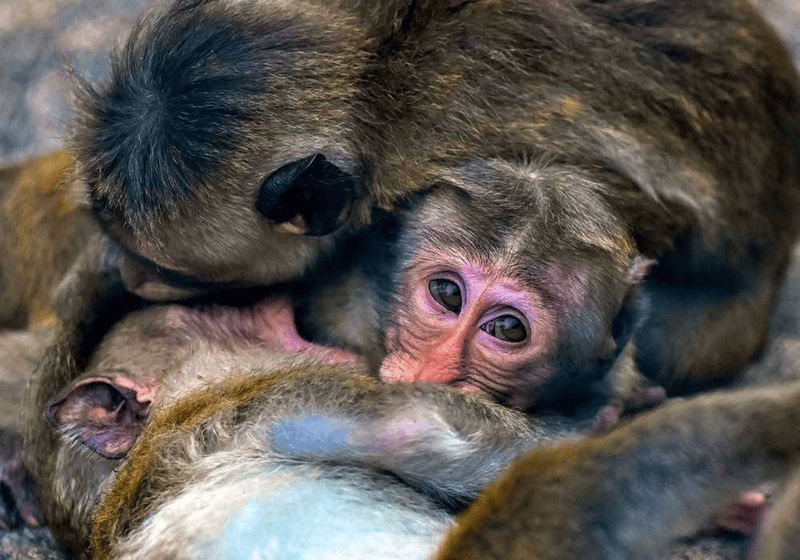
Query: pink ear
[105, 414]
[640, 267]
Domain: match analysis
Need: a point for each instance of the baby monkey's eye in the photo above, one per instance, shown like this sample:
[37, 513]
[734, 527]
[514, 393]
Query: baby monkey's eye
[447, 293]
[506, 327]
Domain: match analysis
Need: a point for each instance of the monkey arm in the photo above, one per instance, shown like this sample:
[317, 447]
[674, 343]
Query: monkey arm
[450, 446]
[629, 493]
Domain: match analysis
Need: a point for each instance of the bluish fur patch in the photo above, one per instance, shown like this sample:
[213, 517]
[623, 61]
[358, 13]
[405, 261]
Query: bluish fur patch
[329, 518]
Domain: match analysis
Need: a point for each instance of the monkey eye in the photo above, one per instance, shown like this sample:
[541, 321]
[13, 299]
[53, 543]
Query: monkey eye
[507, 328]
[447, 293]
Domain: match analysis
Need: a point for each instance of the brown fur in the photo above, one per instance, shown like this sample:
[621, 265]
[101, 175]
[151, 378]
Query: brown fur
[737, 440]
[133, 492]
[19, 353]
[679, 120]
[42, 230]
[580, 500]
[625, 494]
[778, 537]
[199, 374]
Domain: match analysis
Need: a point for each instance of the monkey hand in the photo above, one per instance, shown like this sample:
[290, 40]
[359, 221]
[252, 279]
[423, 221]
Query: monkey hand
[630, 391]
[634, 401]
[17, 499]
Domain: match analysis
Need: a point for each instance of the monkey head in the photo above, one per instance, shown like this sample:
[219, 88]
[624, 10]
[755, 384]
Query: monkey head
[522, 296]
[220, 147]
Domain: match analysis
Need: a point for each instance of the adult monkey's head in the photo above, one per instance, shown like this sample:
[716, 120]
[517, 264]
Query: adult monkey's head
[221, 146]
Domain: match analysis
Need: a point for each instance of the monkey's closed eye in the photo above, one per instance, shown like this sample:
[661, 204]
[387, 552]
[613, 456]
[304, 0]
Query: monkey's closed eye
[447, 293]
[506, 327]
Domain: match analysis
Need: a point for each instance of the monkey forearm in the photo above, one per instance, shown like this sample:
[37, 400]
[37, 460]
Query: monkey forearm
[447, 444]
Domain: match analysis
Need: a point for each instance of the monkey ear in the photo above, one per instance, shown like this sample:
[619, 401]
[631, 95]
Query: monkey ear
[105, 414]
[634, 305]
[310, 196]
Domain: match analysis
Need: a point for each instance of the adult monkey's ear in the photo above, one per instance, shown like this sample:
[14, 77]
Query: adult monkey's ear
[309, 196]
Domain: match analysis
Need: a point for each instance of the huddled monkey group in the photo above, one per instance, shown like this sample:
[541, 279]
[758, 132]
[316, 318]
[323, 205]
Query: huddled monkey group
[343, 278]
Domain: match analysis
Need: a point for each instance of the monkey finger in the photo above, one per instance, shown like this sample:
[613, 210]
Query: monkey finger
[643, 398]
[743, 516]
[646, 397]
[608, 416]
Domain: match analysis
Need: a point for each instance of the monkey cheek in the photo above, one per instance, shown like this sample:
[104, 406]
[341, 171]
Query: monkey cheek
[404, 366]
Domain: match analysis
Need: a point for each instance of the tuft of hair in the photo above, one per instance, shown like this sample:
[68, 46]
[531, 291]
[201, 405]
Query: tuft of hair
[186, 83]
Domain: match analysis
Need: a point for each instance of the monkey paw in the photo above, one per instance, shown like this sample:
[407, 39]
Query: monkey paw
[17, 497]
[642, 398]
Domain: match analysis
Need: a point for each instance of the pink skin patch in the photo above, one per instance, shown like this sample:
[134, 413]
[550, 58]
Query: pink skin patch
[276, 319]
[443, 344]
[269, 324]
[277, 329]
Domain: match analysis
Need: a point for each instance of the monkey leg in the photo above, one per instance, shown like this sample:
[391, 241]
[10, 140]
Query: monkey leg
[631, 492]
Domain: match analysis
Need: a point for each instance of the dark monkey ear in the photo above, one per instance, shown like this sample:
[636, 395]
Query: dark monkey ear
[311, 195]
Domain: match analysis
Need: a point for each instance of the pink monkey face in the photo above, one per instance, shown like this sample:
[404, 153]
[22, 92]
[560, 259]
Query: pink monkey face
[473, 326]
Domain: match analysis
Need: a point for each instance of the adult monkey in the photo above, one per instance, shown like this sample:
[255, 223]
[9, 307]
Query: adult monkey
[246, 435]
[268, 119]
[194, 365]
